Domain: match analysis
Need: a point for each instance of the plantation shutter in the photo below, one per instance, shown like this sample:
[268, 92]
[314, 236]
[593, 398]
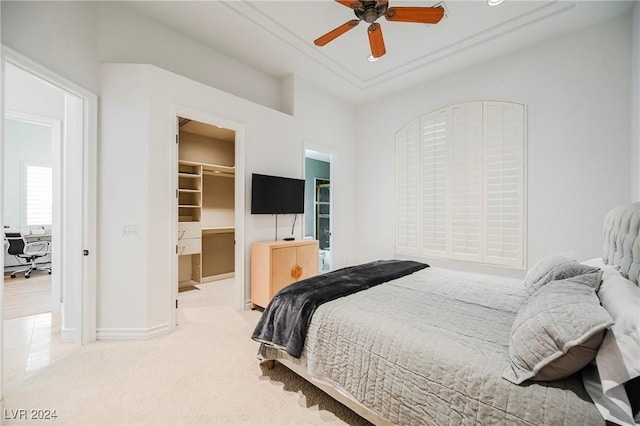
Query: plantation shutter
[434, 166]
[466, 182]
[460, 184]
[407, 195]
[39, 195]
[504, 183]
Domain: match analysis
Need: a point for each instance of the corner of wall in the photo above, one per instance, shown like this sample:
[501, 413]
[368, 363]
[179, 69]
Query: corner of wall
[287, 94]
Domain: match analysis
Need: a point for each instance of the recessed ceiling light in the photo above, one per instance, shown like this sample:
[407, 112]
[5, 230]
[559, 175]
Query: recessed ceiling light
[494, 2]
[372, 58]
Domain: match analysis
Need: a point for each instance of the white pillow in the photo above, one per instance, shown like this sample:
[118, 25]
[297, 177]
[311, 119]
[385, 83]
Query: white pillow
[618, 359]
[607, 270]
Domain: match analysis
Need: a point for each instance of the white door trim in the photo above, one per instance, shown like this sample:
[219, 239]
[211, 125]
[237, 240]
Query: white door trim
[87, 288]
[181, 111]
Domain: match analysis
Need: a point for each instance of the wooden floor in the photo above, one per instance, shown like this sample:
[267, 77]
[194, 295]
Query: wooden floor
[24, 297]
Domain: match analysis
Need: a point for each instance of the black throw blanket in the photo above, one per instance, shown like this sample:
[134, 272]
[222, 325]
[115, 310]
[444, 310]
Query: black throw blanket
[286, 318]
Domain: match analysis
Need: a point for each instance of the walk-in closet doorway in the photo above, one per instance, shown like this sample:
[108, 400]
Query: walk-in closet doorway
[209, 206]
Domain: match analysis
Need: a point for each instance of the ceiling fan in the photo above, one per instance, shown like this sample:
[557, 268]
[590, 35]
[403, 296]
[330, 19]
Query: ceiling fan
[370, 11]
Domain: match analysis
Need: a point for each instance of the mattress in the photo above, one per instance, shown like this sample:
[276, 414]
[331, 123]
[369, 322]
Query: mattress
[430, 348]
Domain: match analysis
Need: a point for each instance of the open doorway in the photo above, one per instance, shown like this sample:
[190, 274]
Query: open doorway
[206, 206]
[31, 186]
[47, 142]
[30, 165]
[318, 204]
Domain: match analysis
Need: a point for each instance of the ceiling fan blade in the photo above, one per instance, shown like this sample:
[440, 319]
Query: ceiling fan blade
[321, 41]
[423, 15]
[353, 4]
[376, 41]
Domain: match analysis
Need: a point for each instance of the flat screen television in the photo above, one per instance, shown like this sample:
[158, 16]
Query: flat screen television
[276, 195]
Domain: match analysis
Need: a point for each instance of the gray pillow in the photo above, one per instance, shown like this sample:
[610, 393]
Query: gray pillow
[553, 268]
[557, 331]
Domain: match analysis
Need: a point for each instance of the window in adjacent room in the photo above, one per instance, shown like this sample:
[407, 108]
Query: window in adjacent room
[460, 184]
[39, 194]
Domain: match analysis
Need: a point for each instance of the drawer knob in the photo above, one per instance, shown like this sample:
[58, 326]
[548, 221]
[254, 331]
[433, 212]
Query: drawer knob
[296, 272]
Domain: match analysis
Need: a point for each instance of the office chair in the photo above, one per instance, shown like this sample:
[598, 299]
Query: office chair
[25, 251]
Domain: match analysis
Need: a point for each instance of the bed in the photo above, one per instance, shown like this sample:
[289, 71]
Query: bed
[442, 347]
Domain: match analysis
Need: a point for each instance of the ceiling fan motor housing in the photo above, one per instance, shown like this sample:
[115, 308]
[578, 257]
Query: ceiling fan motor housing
[371, 11]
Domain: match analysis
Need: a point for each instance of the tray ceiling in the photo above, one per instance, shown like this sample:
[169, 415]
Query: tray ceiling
[276, 37]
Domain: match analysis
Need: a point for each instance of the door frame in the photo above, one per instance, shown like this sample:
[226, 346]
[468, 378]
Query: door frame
[82, 250]
[328, 155]
[240, 303]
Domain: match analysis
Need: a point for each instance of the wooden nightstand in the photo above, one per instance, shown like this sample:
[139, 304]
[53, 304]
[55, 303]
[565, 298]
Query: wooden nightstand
[276, 264]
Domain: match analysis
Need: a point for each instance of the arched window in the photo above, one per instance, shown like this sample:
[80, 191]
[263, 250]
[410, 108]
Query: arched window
[460, 184]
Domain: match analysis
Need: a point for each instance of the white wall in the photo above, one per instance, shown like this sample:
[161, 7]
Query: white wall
[61, 36]
[576, 88]
[24, 142]
[635, 106]
[128, 37]
[136, 184]
[122, 200]
[327, 124]
[72, 38]
[28, 94]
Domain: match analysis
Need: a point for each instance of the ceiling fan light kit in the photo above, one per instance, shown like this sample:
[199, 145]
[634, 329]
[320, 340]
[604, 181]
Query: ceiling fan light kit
[371, 10]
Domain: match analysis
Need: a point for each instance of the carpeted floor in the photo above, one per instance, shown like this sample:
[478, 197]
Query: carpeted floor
[204, 373]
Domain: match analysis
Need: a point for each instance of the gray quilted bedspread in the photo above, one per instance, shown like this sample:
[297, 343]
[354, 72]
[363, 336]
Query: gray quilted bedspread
[430, 348]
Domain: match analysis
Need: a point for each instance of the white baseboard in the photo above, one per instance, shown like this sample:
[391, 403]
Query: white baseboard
[131, 333]
[70, 335]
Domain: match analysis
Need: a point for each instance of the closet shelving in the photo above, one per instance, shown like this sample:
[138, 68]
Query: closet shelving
[206, 201]
[189, 191]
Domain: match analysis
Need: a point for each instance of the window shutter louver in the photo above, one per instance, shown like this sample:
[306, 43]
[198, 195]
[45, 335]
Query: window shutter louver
[466, 182]
[504, 183]
[434, 165]
[407, 182]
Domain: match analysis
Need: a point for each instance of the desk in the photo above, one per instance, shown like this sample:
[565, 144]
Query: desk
[33, 238]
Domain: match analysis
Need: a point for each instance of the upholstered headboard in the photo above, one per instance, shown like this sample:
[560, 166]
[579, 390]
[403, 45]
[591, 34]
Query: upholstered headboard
[622, 240]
